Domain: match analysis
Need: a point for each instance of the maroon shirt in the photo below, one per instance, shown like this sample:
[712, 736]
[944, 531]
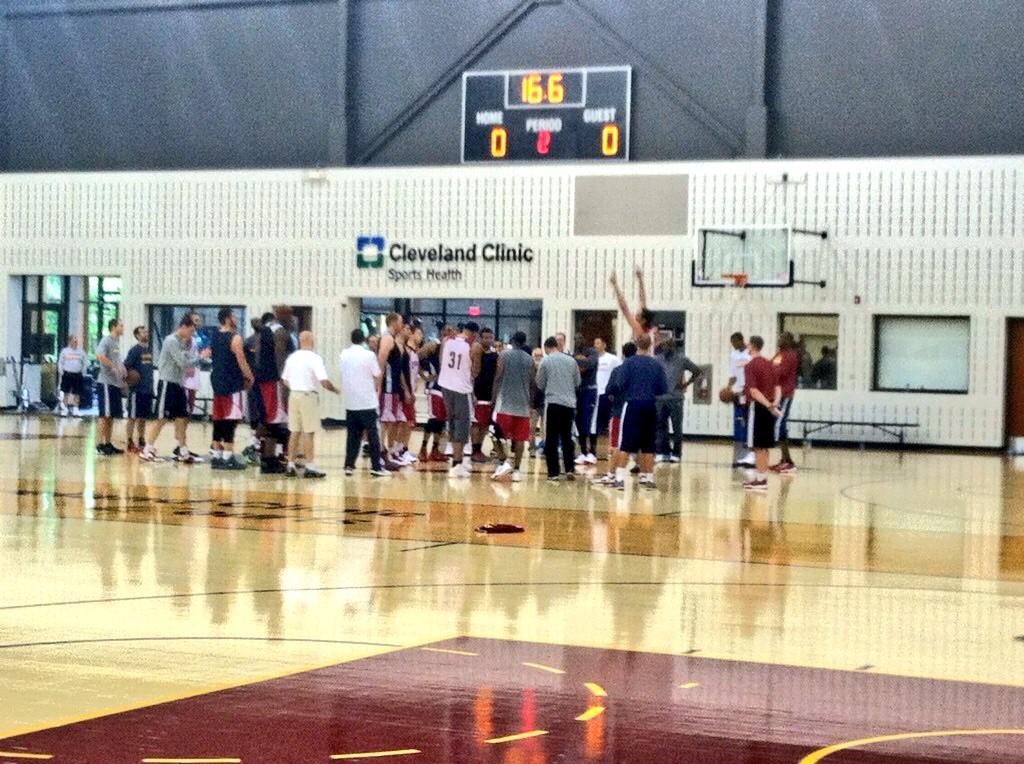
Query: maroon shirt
[787, 365]
[759, 374]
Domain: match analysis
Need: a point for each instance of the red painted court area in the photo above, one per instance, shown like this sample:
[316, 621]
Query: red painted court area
[484, 700]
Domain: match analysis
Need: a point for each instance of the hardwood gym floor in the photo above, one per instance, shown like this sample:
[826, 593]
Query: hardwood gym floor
[165, 613]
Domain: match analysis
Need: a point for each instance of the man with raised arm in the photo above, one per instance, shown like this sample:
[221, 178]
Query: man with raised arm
[641, 322]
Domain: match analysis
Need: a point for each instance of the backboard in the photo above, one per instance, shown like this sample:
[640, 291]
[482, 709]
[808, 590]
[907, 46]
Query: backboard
[763, 253]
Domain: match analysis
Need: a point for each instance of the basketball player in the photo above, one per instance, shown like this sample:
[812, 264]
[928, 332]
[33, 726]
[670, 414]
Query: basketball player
[254, 407]
[177, 356]
[787, 367]
[586, 407]
[456, 383]
[670, 405]
[641, 382]
[274, 347]
[641, 322]
[71, 367]
[140, 395]
[394, 388]
[430, 368]
[513, 380]
[615, 418]
[413, 334]
[738, 358]
[606, 364]
[536, 406]
[485, 367]
[763, 393]
[111, 381]
[229, 377]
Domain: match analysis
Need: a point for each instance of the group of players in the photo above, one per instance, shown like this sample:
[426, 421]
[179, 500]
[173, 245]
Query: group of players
[474, 387]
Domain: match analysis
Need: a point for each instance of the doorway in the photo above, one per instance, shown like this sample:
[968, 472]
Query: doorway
[1015, 384]
[592, 324]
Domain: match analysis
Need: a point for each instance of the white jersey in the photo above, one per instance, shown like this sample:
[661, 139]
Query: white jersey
[606, 363]
[738, 359]
[456, 368]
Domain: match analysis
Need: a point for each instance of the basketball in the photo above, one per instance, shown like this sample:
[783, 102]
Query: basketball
[725, 395]
[132, 378]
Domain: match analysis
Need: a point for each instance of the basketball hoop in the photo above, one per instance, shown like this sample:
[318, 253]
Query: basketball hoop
[739, 279]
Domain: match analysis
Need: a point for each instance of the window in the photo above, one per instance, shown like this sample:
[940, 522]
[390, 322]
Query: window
[164, 319]
[44, 316]
[817, 337]
[924, 354]
[505, 317]
[102, 303]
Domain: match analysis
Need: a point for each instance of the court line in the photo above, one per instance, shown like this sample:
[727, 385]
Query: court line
[55, 643]
[542, 667]
[904, 510]
[689, 685]
[192, 761]
[450, 652]
[432, 546]
[377, 754]
[498, 584]
[590, 713]
[595, 689]
[821, 753]
[517, 736]
[26, 756]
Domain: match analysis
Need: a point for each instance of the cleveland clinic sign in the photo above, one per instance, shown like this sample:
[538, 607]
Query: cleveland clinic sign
[434, 262]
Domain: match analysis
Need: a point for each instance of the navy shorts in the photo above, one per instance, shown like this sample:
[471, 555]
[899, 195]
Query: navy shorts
[586, 409]
[739, 422]
[110, 402]
[171, 401]
[639, 427]
[140, 404]
[782, 423]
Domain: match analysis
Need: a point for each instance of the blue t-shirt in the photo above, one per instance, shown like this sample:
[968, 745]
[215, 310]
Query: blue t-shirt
[642, 380]
[140, 358]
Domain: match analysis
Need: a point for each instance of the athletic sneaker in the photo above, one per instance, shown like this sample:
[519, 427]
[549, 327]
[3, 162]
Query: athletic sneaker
[570, 476]
[660, 459]
[187, 459]
[460, 470]
[503, 469]
[114, 450]
[131, 448]
[581, 459]
[376, 473]
[313, 474]
[233, 464]
[619, 485]
[554, 479]
[635, 470]
[517, 476]
[478, 458]
[408, 456]
[103, 449]
[291, 472]
[217, 463]
[783, 467]
[755, 485]
[349, 471]
[424, 456]
[591, 458]
[746, 461]
[674, 459]
[649, 485]
[148, 456]
[604, 480]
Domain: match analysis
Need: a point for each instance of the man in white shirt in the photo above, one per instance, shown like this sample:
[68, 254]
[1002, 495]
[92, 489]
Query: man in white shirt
[360, 389]
[606, 364]
[304, 374]
[71, 367]
[739, 356]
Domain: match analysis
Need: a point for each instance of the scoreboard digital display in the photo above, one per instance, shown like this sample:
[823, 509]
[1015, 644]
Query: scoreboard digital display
[537, 114]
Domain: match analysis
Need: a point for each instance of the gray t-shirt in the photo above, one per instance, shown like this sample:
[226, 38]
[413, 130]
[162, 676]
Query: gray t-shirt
[110, 346]
[675, 366]
[514, 395]
[559, 378]
[175, 359]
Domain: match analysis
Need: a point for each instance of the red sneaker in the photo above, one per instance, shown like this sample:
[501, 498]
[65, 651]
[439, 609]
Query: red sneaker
[777, 467]
[424, 457]
[437, 456]
[786, 468]
[755, 485]
[478, 458]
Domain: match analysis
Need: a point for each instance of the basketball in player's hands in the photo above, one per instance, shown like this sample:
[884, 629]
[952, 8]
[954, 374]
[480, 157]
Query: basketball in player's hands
[132, 378]
[725, 395]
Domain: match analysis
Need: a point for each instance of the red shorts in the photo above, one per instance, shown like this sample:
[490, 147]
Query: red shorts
[229, 407]
[392, 408]
[482, 414]
[516, 428]
[614, 425]
[437, 409]
[275, 410]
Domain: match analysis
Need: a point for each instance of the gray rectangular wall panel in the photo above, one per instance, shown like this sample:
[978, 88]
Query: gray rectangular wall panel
[631, 205]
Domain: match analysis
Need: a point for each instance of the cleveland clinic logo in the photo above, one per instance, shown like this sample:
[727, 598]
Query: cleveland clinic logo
[370, 252]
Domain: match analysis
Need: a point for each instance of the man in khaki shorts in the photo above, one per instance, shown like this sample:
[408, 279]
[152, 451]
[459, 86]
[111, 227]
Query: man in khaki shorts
[304, 374]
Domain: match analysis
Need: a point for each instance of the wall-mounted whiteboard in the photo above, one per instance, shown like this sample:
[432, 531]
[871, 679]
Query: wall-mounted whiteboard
[922, 353]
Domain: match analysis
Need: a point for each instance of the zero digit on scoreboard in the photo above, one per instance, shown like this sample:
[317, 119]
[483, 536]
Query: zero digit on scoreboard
[541, 114]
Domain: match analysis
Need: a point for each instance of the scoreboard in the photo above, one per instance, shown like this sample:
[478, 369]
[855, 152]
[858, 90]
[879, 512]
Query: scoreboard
[537, 114]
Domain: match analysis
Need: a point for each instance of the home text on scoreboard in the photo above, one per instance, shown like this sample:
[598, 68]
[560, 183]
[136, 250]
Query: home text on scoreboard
[555, 114]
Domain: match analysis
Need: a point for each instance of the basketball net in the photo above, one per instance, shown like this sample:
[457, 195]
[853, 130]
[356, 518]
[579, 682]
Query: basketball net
[734, 290]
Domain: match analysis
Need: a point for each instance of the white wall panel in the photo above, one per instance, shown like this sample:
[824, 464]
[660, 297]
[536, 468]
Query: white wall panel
[919, 236]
